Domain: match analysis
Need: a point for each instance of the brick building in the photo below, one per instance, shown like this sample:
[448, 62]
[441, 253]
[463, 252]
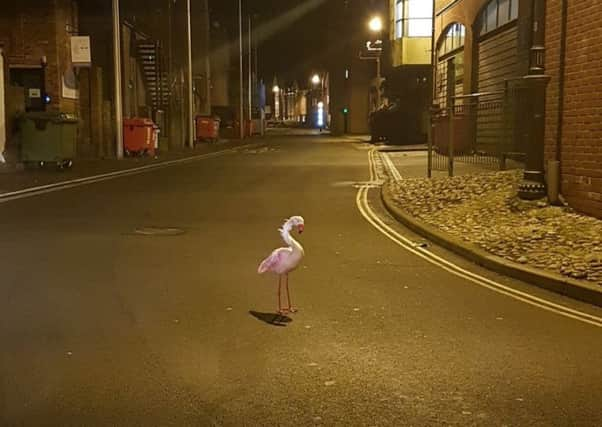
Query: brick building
[574, 100]
[482, 52]
[36, 38]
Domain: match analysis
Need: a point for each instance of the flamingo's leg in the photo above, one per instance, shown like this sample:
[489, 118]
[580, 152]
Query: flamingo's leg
[280, 310]
[288, 295]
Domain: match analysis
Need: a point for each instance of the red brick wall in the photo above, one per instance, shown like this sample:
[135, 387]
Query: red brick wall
[30, 30]
[581, 152]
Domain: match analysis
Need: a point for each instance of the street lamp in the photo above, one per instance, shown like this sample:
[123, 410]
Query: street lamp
[316, 79]
[533, 185]
[376, 26]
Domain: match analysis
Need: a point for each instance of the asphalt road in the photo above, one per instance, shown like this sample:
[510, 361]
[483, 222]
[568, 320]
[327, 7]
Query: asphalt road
[105, 324]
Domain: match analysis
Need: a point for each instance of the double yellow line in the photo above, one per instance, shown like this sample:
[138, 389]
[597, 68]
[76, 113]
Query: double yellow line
[544, 304]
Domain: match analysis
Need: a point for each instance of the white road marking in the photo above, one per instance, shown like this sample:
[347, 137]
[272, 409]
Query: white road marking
[407, 244]
[63, 185]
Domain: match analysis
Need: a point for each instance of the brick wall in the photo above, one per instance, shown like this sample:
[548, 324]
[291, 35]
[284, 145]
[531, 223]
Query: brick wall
[581, 151]
[32, 30]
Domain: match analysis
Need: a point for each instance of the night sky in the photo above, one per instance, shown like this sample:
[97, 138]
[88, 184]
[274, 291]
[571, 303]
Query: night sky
[294, 33]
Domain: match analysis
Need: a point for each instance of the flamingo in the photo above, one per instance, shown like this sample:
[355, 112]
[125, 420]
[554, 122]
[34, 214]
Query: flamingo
[284, 260]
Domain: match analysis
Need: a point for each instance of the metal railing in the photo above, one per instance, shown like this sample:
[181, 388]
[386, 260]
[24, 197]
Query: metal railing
[479, 129]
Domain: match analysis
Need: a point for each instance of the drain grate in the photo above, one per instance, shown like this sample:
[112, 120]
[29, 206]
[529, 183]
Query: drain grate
[158, 231]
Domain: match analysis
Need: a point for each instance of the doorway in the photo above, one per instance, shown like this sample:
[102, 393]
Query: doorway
[31, 80]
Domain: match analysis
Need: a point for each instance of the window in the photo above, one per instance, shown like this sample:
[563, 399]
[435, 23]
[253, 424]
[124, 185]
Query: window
[399, 19]
[454, 39]
[420, 15]
[498, 13]
[413, 18]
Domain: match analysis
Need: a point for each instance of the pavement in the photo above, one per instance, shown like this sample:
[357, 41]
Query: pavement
[135, 301]
[478, 215]
[14, 177]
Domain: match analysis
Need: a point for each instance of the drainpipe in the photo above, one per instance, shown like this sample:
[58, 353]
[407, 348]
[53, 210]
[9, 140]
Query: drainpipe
[117, 66]
[561, 80]
[554, 187]
[433, 95]
[2, 111]
[533, 184]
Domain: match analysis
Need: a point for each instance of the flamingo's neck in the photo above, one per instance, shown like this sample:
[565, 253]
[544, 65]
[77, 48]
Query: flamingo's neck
[285, 232]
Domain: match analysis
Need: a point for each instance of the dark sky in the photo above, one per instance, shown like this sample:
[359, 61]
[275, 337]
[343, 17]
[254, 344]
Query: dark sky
[294, 33]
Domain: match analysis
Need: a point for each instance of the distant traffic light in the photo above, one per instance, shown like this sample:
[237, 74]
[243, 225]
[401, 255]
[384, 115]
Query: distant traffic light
[345, 110]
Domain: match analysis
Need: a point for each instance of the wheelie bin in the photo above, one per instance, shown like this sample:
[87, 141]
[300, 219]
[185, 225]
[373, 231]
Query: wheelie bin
[48, 137]
[139, 137]
[207, 128]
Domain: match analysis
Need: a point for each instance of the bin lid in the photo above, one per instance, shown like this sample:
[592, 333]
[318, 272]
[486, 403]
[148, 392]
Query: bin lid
[138, 121]
[51, 116]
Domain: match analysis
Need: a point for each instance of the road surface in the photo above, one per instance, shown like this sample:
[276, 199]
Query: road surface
[136, 301]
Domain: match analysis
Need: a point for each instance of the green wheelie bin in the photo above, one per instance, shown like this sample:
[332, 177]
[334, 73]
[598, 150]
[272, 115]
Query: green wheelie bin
[48, 137]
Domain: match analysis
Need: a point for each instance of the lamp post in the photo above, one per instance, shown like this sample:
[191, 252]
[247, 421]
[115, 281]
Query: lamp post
[117, 69]
[533, 184]
[376, 26]
[318, 94]
[190, 83]
[241, 127]
[276, 91]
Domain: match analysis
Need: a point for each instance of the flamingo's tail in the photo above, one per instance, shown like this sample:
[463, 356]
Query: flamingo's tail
[269, 263]
[264, 266]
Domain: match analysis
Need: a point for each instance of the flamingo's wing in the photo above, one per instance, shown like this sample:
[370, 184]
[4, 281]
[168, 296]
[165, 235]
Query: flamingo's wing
[274, 260]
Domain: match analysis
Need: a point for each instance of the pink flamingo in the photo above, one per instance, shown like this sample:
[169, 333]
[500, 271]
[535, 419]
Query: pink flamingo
[284, 260]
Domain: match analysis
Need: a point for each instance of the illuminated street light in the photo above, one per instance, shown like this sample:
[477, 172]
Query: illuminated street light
[276, 89]
[315, 79]
[376, 24]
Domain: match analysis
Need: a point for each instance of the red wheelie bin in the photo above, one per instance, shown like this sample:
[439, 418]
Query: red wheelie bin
[139, 137]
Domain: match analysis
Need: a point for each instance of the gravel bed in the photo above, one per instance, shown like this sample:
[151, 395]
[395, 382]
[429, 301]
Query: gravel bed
[483, 209]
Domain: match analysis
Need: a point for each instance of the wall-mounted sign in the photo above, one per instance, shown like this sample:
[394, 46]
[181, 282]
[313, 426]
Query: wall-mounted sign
[81, 55]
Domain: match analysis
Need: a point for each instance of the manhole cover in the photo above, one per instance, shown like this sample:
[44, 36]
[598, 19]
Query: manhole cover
[158, 231]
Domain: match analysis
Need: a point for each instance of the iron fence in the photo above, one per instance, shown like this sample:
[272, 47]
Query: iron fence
[482, 130]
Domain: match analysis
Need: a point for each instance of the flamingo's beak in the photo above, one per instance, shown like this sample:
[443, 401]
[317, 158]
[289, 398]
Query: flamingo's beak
[300, 228]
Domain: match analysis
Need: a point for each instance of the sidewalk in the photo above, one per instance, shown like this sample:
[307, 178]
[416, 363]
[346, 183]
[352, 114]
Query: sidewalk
[15, 178]
[478, 215]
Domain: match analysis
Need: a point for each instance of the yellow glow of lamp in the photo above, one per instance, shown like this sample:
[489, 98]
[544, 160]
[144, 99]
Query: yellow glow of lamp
[276, 89]
[315, 79]
[376, 24]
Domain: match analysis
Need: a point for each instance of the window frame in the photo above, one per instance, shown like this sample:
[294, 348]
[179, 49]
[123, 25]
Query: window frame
[399, 15]
[456, 36]
[403, 21]
[484, 16]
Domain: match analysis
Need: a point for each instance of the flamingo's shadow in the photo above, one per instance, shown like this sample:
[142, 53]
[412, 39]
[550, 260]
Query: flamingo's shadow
[273, 319]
